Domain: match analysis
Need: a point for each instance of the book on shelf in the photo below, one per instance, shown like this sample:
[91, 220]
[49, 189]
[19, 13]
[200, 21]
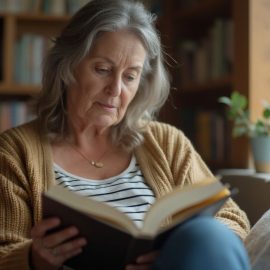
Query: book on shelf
[203, 134]
[50, 7]
[30, 50]
[208, 57]
[15, 6]
[211, 135]
[114, 240]
[74, 5]
[13, 113]
[54, 7]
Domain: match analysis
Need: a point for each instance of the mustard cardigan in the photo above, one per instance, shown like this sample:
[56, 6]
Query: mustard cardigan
[166, 159]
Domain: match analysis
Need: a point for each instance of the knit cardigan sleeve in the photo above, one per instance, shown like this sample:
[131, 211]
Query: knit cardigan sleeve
[21, 186]
[168, 159]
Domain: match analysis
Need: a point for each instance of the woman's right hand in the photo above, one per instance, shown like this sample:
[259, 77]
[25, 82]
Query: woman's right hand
[50, 251]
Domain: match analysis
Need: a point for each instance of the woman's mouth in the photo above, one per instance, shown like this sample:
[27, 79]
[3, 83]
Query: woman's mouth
[107, 107]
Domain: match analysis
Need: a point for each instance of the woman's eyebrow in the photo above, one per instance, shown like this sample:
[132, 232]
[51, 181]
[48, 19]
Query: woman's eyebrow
[107, 59]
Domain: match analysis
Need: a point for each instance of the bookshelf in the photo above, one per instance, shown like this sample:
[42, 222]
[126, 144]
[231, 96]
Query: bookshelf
[239, 28]
[16, 26]
[189, 22]
[201, 42]
[26, 30]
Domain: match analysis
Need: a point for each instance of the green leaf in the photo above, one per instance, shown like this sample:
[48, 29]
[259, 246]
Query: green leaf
[238, 101]
[260, 128]
[232, 114]
[266, 113]
[225, 100]
[239, 114]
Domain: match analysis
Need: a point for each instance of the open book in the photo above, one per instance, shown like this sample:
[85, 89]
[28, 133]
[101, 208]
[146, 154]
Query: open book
[113, 238]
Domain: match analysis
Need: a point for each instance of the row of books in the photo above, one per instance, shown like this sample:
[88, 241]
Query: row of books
[209, 132]
[208, 58]
[53, 7]
[30, 50]
[13, 113]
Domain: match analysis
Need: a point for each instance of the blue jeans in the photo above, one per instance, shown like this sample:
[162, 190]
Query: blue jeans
[202, 243]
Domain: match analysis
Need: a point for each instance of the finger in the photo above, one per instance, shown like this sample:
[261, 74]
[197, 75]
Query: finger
[59, 237]
[43, 226]
[58, 255]
[147, 258]
[69, 247]
[71, 254]
[60, 260]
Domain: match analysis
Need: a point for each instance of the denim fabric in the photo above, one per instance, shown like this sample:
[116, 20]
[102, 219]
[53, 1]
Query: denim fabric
[202, 243]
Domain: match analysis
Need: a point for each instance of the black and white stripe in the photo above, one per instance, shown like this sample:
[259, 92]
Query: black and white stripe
[127, 191]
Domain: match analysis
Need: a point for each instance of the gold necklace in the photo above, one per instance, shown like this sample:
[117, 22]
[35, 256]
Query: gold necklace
[97, 164]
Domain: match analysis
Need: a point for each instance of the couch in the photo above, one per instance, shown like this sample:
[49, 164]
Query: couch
[253, 192]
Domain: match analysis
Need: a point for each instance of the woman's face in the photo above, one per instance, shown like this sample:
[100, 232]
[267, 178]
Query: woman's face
[107, 79]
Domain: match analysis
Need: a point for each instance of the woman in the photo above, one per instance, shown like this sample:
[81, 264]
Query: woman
[104, 81]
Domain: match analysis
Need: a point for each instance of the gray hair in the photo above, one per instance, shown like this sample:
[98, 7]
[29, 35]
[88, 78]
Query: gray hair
[74, 44]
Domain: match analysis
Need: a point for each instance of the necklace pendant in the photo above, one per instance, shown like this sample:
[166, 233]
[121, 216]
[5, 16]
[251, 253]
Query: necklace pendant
[97, 164]
[93, 163]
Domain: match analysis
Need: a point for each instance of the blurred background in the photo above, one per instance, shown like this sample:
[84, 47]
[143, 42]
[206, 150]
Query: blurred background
[213, 47]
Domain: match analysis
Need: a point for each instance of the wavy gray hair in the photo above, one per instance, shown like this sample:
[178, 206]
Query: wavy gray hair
[74, 44]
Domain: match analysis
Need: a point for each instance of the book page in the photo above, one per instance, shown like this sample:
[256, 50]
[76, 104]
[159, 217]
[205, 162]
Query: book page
[193, 197]
[258, 243]
[183, 201]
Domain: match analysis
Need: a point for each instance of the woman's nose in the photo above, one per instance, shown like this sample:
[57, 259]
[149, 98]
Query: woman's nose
[115, 86]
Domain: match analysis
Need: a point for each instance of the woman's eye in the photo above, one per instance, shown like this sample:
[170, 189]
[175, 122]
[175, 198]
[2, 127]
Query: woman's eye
[130, 77]
[102, 70]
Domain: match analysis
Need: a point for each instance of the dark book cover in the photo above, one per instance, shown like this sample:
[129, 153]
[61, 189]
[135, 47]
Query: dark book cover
[107, 247]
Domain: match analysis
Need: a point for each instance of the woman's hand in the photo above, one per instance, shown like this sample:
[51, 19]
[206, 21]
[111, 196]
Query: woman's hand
[50, 251]
[143, 262]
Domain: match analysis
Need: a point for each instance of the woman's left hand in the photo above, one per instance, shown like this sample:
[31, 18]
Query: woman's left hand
[143, 262]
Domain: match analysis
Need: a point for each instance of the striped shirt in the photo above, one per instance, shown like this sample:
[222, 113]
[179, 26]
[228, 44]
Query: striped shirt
[127, 191]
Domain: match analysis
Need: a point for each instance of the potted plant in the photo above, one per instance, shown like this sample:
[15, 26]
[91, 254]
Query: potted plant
[258, 131]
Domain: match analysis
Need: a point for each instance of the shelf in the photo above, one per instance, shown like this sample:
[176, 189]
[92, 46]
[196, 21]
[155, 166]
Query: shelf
[19, 90]
[209, 86]
[36, 16]
[203, 95]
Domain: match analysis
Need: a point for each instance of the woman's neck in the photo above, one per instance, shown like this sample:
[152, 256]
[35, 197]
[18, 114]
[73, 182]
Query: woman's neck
[81, 134]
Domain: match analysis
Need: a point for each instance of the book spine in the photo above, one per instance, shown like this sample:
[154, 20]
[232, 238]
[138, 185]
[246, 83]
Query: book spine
[208, 131]
[12, 114]
[36, 72]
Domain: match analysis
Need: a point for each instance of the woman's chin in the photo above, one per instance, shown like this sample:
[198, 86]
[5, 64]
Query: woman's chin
[105, 122]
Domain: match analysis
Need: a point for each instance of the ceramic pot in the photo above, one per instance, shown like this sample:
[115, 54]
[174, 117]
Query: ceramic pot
[261, 153]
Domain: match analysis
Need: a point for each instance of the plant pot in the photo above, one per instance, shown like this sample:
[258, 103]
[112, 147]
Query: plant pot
[261, 153]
